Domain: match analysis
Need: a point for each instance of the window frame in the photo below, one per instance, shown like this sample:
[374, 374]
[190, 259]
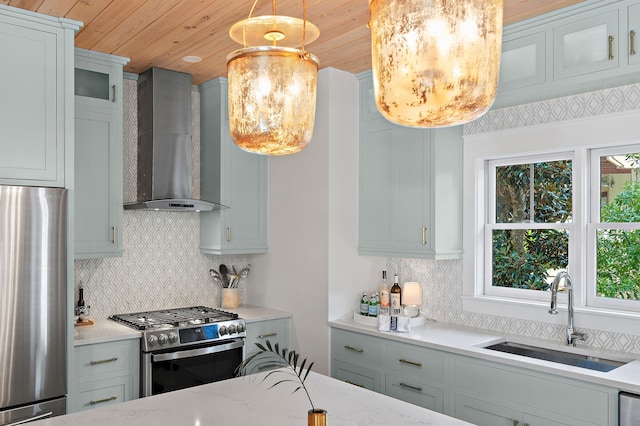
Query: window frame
[491, 225]
[595, 224]
[578, 136]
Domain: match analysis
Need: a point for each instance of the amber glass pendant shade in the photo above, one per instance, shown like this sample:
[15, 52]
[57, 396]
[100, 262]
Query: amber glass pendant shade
[272, 99]
[435, 63]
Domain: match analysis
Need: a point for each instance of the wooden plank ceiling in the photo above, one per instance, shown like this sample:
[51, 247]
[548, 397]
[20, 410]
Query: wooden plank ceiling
[159, 33]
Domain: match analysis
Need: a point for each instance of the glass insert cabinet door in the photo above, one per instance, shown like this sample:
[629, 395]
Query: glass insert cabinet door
[94, 84]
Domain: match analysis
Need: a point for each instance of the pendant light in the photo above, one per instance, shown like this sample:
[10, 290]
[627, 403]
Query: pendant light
[435, 63]
[272, 83]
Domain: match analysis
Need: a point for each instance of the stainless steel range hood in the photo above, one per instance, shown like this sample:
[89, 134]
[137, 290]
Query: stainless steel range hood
[164, 144]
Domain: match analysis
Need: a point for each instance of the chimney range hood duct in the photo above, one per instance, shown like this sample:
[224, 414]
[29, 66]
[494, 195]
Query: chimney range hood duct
[164, 144]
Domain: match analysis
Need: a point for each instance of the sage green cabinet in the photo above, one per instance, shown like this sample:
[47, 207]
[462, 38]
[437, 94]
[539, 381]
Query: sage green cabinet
[104, 374]
[232, 177]
[410, 187]
[633, 32]
[98, 155]
[36, 101]
[484, 393]
[487, 393]
[523, 62]
[276, 331]
[586, 45]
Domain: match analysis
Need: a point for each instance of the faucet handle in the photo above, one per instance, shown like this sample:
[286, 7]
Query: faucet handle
[577, 336]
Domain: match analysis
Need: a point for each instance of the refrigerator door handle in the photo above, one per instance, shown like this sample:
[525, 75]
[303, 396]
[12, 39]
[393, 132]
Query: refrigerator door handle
[32, 419]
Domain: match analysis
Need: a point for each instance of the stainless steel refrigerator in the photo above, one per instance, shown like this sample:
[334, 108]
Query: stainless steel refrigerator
[33, 303]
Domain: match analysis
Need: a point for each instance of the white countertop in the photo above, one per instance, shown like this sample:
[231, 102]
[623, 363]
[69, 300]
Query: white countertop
[252, 313]
[102, 331]
[469, 341]
[249, 401]
[105, 330]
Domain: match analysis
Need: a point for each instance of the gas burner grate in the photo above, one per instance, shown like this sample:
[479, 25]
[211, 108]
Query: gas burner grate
[176, 317]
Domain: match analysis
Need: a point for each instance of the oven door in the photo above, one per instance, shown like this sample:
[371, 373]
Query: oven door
[174, 369]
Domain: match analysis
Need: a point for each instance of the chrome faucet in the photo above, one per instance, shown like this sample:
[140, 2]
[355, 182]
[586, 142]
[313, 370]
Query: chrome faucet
[572, 336]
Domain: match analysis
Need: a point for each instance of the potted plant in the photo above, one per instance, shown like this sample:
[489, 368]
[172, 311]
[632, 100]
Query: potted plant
[287, 370]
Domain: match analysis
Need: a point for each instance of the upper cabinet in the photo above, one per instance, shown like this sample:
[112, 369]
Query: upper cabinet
[410, 186]
[232, 177]
[98, 155]
[36, 101]
[585, 47]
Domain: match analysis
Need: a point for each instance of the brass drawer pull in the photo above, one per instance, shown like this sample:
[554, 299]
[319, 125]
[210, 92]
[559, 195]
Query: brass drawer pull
[98, 401]
[353, 383]
[424, 235]
[411, 387]
[414, 363]
[103, 361]
[262, 336]
[351, 348]
[632, 42]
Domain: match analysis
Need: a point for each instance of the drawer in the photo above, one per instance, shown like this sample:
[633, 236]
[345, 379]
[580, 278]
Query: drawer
[101, 358]
[414, 361]
[356, 348]
[275, 331]
[357, 375]
[414, 391]
[100, 393]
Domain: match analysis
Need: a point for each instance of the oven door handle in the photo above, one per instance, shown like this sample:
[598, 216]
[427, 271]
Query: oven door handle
[190, 353]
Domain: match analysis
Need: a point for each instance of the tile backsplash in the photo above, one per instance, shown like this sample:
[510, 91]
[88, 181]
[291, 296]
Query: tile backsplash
[162, 266]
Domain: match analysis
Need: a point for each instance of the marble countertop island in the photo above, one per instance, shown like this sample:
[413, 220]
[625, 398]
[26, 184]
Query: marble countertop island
[248, 400]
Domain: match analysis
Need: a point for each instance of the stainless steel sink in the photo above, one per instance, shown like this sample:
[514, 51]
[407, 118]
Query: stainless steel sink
[561, 357]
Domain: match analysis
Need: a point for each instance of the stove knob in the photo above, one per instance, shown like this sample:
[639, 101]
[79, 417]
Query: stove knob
[240, 328]
[232, 328]
[222, 330]
[162, 339]
[152, 341]
[173, 337]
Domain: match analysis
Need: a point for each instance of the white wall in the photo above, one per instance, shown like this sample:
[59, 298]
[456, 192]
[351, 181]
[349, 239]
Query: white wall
[312, 261]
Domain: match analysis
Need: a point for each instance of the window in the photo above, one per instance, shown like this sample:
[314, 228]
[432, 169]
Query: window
[551, 197]
[614, 231]
[529, 223]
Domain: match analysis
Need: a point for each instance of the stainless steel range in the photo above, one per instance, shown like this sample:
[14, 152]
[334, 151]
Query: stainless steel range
[186, 347]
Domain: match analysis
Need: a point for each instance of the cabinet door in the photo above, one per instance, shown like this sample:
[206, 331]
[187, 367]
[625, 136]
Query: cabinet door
[523, 62]
[357, 375]
[482, 413]
[414, 391]
[31, 90]
[233, 177]
[633, 33]
[98, 200]
[101, 393]
[392, 188]
[587, 45]
[246, 192]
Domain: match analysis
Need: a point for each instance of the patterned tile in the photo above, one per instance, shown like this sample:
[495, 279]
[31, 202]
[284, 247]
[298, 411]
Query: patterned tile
[162, 266]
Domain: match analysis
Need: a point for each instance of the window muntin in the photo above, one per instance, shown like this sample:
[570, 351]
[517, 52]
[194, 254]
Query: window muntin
[531, 214]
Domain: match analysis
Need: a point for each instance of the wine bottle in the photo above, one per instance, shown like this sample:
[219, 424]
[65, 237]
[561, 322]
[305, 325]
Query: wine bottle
[384, 291]
[395, 302]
